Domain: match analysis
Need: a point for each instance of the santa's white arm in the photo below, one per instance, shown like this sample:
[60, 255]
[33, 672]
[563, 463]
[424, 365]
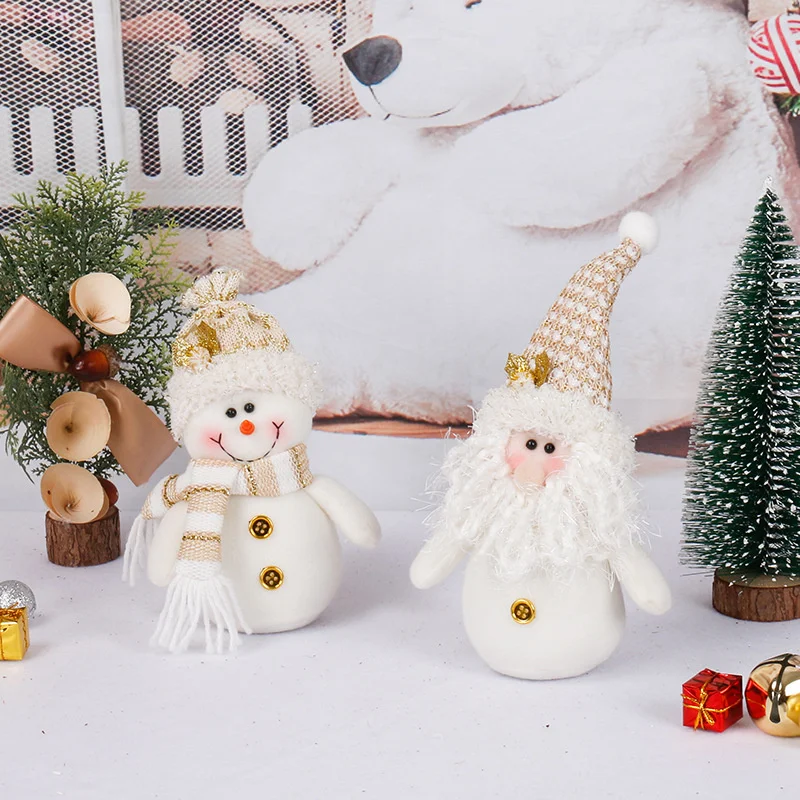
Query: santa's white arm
[643, 581]
[611, 150]
[434, 563]
[348, 513]
[311, 193]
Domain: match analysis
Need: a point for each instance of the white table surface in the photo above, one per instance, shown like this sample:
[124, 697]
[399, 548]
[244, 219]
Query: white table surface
[380, 698]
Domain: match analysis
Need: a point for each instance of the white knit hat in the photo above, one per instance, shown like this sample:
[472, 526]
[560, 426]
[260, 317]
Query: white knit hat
[570, 351]
[229, 346]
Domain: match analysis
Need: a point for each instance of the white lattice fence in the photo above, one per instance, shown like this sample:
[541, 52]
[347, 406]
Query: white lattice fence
[208, 87]
[85, 141]
[215, 186]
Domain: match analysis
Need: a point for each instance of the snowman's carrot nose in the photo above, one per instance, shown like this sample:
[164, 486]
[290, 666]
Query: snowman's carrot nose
[247, 427]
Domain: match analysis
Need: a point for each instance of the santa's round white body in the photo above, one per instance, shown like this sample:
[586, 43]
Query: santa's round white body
[540, 628]
[281, 554]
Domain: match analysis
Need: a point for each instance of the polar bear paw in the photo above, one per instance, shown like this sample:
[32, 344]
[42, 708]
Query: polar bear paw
[311, 193]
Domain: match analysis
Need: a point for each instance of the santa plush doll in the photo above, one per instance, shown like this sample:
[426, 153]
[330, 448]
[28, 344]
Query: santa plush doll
[542, 497]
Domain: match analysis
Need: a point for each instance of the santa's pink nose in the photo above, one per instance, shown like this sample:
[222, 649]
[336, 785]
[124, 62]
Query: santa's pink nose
[531, 472]
[247, 427]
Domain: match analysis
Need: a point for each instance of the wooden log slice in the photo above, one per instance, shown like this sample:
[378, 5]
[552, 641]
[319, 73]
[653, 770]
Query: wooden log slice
[86, 544]
[759, 598]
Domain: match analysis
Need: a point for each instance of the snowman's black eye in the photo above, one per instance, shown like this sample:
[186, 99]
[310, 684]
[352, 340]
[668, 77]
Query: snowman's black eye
[231, 412]
[531, 444]
[249, 408]
[549, 448]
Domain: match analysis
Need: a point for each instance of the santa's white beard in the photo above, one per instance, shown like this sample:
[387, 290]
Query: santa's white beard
[585, 515]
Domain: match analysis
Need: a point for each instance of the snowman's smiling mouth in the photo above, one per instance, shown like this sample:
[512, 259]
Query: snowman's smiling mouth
[218, 441]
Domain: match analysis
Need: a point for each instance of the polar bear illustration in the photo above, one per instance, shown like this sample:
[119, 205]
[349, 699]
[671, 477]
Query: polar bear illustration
[505, 140]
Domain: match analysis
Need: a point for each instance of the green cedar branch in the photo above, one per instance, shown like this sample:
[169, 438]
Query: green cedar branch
[60, 233]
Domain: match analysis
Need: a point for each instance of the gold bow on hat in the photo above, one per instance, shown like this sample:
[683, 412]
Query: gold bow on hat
[518, 368]
[31, 338]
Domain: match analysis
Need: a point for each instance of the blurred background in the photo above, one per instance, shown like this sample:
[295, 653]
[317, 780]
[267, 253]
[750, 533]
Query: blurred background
[195, 95]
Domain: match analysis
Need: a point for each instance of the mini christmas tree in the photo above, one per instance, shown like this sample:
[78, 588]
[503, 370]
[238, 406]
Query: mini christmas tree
[742, 500]
[81, 385]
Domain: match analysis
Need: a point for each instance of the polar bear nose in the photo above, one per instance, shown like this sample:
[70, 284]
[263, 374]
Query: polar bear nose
[374, 59]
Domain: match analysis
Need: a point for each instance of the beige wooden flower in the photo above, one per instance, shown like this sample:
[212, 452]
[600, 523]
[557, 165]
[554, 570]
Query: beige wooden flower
[73, 494]
[102, 300]
[78, 427]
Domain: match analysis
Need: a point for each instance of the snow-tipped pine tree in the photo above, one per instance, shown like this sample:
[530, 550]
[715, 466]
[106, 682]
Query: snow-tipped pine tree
[742, 500]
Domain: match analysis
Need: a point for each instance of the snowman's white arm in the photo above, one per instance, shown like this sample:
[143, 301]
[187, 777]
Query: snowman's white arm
[163, 551]
[311, 193]
[643, 581]
[434, 563]
[595, 151]
[349, 514]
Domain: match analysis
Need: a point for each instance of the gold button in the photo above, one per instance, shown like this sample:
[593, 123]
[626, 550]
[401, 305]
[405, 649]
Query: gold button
[271, 578]
[261, 527]
[523, 611]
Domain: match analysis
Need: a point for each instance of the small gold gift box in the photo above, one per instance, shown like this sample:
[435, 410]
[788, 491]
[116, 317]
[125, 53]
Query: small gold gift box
[14, 640]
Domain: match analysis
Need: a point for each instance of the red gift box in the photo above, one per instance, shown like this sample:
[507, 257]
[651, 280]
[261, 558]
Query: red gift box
[712, 701]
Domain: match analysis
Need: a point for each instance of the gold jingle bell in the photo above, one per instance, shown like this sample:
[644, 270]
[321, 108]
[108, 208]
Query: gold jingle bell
[773, 695]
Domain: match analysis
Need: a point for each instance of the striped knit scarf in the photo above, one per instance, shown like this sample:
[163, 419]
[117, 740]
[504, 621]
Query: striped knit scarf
[198, 590]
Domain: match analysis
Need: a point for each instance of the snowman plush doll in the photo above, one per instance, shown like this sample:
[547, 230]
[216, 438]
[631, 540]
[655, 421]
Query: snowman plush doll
[542, 498]
[245, 538]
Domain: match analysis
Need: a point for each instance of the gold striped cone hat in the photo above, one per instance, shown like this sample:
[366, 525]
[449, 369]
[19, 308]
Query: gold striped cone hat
[570, 350]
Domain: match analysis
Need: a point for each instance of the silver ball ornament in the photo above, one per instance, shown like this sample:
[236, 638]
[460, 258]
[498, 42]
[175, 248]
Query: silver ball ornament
[16, 594]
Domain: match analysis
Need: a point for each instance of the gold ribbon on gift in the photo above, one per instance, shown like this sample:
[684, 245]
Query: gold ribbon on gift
[705, 715]
[32, 338]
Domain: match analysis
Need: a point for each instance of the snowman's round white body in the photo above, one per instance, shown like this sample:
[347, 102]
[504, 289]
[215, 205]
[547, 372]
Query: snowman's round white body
[303, 545]
[281, 554]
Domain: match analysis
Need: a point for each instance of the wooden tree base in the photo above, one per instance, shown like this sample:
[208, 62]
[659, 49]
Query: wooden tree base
[85, 544]
[759, 598]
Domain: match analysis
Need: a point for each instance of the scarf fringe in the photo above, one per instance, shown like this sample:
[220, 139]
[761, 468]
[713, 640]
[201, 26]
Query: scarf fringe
[189, 601]
[142, 532]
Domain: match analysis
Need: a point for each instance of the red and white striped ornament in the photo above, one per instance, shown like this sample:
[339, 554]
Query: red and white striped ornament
[775, 53]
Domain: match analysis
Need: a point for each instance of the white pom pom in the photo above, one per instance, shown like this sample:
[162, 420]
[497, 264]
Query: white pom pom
[640, 227]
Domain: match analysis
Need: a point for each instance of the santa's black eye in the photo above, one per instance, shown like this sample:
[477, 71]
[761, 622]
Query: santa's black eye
[249, 408]
[549, 448]
[531, 444]
[231, 412]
